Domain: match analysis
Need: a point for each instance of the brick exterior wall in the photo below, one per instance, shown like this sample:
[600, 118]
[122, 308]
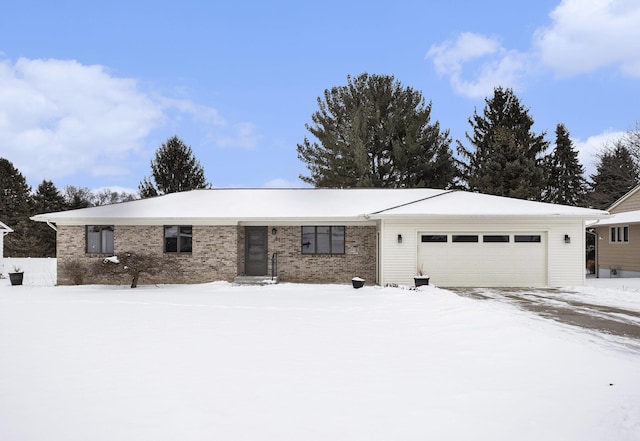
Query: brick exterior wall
[218, 254]
[359, 259]
[213, 257]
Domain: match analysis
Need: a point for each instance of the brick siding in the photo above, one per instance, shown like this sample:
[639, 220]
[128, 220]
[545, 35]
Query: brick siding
[359, 259]
[218, 254]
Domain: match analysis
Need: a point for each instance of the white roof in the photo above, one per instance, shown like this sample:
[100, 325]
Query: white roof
[628, 217]
[462, 203]
[313, 204]
[4, 228]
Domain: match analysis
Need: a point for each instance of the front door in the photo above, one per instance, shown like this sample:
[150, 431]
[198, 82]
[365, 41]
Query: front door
[255, 261]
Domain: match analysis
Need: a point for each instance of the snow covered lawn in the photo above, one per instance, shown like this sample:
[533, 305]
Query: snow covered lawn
[300, 362]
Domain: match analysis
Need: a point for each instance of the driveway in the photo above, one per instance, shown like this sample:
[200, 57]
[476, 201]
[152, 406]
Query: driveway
[552, 304]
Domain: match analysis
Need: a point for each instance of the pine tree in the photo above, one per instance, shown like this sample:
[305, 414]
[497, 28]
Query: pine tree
[174, 169]
[566, 184]
[505, 157]
[15, 208]
[47, 199]
[374, 132]
[616, 174]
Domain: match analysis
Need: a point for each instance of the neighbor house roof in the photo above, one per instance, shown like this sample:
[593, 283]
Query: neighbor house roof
[220, 205]
[627, 217]
[4, 228]
[626, 196]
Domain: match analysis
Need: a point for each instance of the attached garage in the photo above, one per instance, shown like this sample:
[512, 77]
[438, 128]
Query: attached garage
[484, 258]
[462, 239]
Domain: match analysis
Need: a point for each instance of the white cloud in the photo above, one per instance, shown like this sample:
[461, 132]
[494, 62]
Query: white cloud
[242, 136]
[198, 112]
[60, 118]
[588, 149]
[492, 64]
[586, 35]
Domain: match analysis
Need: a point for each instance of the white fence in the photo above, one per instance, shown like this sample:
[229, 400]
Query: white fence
[37, 272]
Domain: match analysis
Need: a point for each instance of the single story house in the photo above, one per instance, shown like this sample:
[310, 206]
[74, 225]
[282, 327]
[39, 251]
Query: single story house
[385, 236]
[618, 238]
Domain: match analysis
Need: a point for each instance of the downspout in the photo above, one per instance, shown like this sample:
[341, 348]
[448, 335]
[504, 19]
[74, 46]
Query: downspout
[52, 226]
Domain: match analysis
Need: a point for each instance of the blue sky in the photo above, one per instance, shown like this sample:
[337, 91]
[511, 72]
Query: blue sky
[88, 91]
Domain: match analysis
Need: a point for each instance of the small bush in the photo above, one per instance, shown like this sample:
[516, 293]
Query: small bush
[75, 270]
[136, 264]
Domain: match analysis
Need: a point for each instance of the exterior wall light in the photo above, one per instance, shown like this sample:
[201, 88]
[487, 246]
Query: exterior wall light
[399, 238]
[567, 239]
[274, 231]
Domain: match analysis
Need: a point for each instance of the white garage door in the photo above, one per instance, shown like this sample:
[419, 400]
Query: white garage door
[484, 259]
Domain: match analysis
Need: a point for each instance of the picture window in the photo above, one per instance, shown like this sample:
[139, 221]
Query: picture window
[323, 240]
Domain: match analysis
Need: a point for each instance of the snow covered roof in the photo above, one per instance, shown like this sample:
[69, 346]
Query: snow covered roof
[233, 205]
[4, 228]
[628, 217]
[462, 203]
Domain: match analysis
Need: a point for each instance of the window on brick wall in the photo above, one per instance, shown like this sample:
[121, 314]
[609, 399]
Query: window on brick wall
[323, 240]
[99, 239]
[178, 239]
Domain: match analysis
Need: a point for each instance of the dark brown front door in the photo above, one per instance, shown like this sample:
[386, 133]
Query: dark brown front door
[255, 261]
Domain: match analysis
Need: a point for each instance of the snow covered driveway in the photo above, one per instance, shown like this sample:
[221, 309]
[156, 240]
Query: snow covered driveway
[568, 306]
[304, 362]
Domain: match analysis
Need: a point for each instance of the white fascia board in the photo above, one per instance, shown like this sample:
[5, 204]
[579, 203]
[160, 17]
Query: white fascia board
[213, 221]
[424, 217]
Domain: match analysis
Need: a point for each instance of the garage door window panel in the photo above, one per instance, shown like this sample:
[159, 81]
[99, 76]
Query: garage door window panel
[433, 238]
[495, 238]
[464, 238]
[527, 238]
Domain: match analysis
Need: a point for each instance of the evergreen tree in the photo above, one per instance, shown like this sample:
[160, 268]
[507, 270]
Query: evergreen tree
[566, 184]
[15, 208]
[174, 169]
[47, 199]
[374, 132]
[616, 174]
[505, 157]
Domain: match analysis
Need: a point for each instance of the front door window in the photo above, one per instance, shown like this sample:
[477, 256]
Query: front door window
[256, 251]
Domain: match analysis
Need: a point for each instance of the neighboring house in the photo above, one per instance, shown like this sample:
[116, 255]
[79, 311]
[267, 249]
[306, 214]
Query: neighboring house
[4, 230]
[332, 235]
[618, 238]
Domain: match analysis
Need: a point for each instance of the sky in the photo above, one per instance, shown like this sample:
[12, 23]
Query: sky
[89, 92]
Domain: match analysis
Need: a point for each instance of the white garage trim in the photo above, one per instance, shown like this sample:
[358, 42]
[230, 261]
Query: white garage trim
[484, 258]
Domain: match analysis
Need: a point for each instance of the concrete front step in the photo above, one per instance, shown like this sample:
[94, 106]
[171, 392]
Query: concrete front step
[255, 280]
